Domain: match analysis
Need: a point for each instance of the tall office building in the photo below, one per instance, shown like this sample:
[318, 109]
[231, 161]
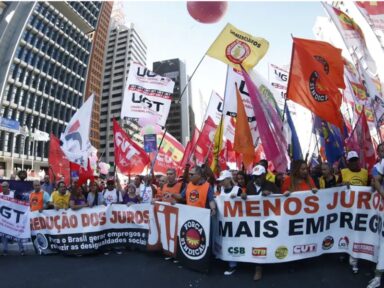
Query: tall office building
[45, 49]
[181, 120]
[95, 69]
[124, 46]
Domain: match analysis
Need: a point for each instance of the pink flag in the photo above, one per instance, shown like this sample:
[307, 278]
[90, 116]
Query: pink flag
[271, 135]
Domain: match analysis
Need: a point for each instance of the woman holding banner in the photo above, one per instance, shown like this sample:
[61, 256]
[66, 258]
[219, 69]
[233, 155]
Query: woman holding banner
[327, 179]
[299, 180]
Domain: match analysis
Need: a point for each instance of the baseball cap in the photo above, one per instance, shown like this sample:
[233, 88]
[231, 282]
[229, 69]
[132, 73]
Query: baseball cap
[224, 174]
[352, 154]
[258, 170]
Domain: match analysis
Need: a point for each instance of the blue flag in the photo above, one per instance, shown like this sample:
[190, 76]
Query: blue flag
[331, 140]
[295, 148]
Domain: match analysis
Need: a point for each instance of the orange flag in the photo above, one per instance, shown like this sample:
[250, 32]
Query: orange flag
[243, 137]
[315, 78]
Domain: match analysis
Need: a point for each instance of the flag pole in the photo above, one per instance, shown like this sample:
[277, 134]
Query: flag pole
[310, 139]
[157, 152]
[201, 129]
[33, 151]
[289, 82]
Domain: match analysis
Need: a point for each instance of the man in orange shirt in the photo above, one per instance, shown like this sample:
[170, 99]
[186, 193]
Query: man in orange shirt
[172, 186]
[38, 199]
[198, 192]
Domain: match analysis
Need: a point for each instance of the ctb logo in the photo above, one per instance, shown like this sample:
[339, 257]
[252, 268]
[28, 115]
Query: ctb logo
[259, 251]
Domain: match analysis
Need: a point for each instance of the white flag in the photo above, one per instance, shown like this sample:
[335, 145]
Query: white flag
[75, 140]
[147, 95]
[215, 108]
[352, 34]
[40, 136]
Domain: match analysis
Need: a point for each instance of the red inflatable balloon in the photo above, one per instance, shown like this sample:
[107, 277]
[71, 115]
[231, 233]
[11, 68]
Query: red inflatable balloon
[207, 12]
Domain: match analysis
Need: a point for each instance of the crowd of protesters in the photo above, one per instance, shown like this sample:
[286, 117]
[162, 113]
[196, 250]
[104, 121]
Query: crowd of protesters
[198, 187]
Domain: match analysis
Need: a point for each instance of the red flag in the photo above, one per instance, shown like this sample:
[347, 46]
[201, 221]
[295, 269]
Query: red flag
[83, 174]
[169, 155]
[189, 147]
[57, 160]
[367, 151]
[315, 76]
[204, 144]
[243, 137]
[130, 158]
[360, 141]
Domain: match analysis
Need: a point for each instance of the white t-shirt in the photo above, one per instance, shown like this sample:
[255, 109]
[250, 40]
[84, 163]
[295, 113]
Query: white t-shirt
[146, 194]
[234, 191]
[10, 195]
[111, 196]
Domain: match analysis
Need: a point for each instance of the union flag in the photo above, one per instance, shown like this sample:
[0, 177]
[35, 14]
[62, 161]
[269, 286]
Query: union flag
[317, 73]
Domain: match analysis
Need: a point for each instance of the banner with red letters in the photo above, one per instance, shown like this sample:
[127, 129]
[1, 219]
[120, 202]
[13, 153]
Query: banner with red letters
[277, 229]
[179, 230]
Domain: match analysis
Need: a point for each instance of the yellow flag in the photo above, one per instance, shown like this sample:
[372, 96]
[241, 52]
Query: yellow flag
[217, 145]
[235, 48]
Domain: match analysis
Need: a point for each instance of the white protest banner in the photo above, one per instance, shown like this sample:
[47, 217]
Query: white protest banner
[215, 108]
[236, 79]
[147, 95]
[280, 229]
[278, 75]
[14, 220]
[184, 232]
[179, 230]
[90, 229]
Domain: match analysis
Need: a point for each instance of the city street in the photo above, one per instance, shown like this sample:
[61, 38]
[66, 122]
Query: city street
[141, 269]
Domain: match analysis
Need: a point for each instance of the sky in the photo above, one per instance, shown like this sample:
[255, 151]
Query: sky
[170, 32]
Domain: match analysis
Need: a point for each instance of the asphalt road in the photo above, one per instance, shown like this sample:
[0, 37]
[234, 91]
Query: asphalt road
[144, 269]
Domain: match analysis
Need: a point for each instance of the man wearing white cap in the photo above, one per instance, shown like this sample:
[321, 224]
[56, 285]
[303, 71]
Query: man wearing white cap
[261, 185]
[354, 175]
[227, 188]
[227, 185]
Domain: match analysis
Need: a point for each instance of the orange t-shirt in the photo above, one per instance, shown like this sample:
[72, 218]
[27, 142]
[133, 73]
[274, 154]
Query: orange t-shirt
[301, 186]
[175, 189]
[196, 195]
[36, 201]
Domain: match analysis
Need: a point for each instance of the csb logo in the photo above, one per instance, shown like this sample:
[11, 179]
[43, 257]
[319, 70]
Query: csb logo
[236, 251]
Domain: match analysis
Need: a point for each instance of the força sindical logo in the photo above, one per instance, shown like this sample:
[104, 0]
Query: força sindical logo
[318, 92]
[193, 241]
